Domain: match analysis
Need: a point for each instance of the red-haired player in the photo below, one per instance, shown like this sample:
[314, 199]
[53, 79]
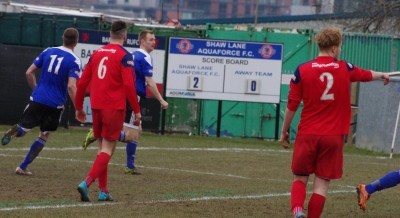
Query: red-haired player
[323, 84]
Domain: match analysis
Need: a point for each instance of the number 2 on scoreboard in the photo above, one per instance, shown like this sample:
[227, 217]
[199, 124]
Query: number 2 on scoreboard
[195, 83]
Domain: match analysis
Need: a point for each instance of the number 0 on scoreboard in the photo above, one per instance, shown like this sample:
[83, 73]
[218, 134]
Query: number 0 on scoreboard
[253, 86]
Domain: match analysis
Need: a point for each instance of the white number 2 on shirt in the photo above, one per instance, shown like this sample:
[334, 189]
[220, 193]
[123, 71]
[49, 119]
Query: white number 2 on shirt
[102, 70]
[328, 76]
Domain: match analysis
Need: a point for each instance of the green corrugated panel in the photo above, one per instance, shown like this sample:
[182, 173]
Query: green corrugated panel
[46, 30]
[39, 30]
[376, 52]
[239, 119]
[48, 33]
[208, 117]
[60, 23]
[31, 32]
[256, 120]
[160, 31]
[11, 24]
[396, 55]
[182, 114]
[368, 51]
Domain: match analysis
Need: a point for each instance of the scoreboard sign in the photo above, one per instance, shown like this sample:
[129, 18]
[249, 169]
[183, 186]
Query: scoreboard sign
[224, 70]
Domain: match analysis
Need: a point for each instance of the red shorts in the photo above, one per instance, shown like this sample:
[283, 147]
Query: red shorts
[107, 123]
[322, 155]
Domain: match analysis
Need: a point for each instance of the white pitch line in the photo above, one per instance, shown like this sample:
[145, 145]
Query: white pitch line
[171, 169]
[158, 148]
[218, 149]
[195, 149]
[173, 149]
[157, 168]
[205, 198]
[56, 206]
[155, 201]
[189, 149]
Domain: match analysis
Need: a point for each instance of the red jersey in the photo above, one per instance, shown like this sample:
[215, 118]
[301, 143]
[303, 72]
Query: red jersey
[323, 85]
[110, 72]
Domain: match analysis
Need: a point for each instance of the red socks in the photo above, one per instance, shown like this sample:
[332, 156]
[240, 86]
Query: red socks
[103, 181]
[297, 196]
[99, 168]
[315, 205]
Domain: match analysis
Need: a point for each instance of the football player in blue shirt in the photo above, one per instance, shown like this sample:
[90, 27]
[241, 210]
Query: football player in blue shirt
[143, 64]
[60, 68]
[364, 192]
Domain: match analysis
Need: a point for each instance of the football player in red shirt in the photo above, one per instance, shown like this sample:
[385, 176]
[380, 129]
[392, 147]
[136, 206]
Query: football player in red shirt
[110, 72]
[323, 84]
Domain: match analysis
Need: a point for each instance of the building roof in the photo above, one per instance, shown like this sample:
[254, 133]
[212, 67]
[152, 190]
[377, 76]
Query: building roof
[11, 7]
[272, 19]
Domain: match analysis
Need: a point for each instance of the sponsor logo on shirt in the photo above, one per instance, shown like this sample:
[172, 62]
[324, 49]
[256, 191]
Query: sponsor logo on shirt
[332, 64]
[107, 50]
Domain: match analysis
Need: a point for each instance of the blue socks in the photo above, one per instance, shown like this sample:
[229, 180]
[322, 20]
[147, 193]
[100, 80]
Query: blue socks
[20, 132]
[130, 154]
[122, 136]
[36, 148]
[387, 181]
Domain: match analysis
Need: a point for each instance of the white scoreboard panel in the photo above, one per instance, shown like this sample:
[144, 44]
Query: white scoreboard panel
[224, 70]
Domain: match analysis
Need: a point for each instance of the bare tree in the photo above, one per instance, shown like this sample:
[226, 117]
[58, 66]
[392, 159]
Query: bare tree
[377, 16]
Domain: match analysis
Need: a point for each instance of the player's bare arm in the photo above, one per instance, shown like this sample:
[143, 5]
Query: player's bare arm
[72, 89]
[138, 116]
[82, 84]
[153, 89]
[30, 76]
[379, 75]
[284, 140]
[80, 115]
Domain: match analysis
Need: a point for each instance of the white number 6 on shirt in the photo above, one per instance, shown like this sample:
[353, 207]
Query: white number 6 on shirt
[102, 70]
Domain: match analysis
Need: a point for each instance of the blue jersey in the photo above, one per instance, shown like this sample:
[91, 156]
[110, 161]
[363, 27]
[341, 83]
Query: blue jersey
[143, 64]
[58, 64]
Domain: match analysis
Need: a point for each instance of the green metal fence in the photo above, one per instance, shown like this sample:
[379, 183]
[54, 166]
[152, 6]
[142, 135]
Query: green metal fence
[256, 120]
[39, 30]
[376, 52]
[36, 30]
